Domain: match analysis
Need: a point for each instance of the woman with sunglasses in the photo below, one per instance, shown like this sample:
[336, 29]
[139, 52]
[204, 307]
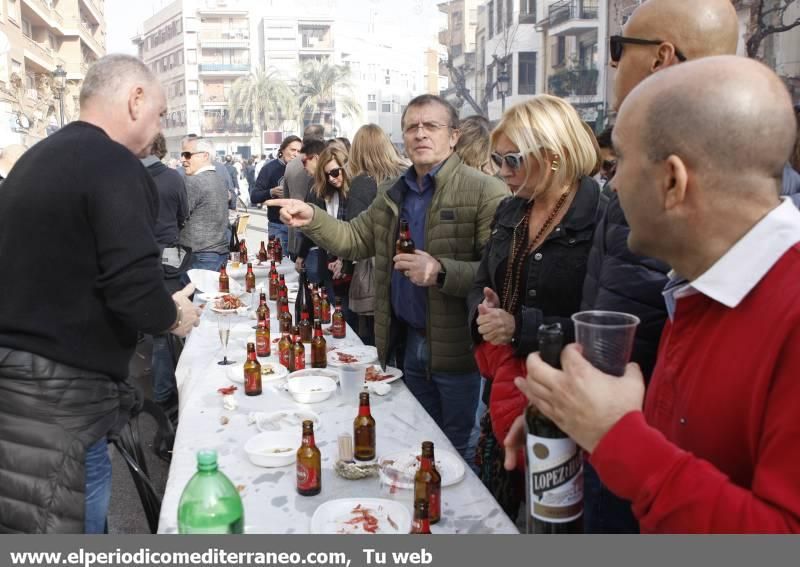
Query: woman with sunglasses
[331, 193]
[533, 265]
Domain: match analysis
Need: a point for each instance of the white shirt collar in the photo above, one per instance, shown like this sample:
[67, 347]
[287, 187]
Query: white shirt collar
[740, 269]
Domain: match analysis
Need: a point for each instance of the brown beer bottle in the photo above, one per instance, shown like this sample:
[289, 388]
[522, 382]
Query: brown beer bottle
[404, 243]
[278, 250]
[364, 430]
[285, 318]
[262, 253]
[243, 252]
[263, 308]
[554, 462]
[298, 350]
[249, 279]
[271, 248]
[319, 348]
[285, 354]
[263, 347]
[421, 525]
[309, 463]
[428, 483]
[338, 327]
[316, 302]
[252, 372]
[274, 282]
[325, 308]
[282, 287]
[224, 280]
[306, 330]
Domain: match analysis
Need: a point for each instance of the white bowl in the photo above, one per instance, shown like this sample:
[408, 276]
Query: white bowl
[261, 449]
[311, 389]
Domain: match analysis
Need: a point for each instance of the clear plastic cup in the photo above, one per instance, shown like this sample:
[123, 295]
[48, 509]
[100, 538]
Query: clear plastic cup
[352, 378]
[606, 338]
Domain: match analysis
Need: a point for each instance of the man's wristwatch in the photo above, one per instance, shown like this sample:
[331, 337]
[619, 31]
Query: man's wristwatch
[440, 277]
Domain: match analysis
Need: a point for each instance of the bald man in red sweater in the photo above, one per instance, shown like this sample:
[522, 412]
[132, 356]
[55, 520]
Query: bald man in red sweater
[715, 445]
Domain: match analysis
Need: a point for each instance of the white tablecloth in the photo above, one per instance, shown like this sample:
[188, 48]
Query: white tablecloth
[271, 502]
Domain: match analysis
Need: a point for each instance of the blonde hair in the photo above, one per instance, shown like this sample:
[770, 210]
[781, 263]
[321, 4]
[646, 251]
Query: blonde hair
[547, 129]
[333, 152]
[373, 154]
[474, 146]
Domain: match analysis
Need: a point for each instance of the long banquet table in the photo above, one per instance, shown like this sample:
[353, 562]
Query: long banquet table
[270, 500]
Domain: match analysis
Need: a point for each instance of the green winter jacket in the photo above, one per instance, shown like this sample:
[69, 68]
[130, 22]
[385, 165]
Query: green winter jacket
[456, 229]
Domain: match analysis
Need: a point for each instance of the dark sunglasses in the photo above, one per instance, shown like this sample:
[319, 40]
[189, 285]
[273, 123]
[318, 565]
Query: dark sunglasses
[188, 155]
[334, 173]
[513, 161]
[617, 42]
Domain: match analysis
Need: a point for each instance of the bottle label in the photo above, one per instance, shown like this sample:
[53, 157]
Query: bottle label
[338, 330]
[252, 381]
[556, 482]
[307, 477]
[285, 357]
[299, 360]
[262, 345]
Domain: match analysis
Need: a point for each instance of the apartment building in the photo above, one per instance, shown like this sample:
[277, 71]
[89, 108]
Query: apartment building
[459, 37]
[37, 38]
[198, 49]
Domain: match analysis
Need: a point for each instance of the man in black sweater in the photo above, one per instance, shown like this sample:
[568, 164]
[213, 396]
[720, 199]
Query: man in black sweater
[76, 289]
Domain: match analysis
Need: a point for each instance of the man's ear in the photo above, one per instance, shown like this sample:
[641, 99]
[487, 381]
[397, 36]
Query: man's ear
[665, 57]
[135, 102]
[675, 182]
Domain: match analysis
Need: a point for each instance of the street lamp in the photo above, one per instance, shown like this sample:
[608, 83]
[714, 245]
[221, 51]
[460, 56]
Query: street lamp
[60, 85]
[503, 86]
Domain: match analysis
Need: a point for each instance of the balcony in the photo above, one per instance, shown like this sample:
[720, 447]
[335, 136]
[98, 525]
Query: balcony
[224, 69]
[573, 17]
[46, 12]
[94, 8]
[222, 126]
[225, 38]
[573, 82]
[86, 34]
[40, 55]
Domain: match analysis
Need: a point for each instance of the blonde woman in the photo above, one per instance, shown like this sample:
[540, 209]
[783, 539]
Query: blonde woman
[534, 264]
[373, 160]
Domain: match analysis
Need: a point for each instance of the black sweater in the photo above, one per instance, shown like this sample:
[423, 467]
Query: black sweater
[270, 176]
[81, 270]
[173, 207]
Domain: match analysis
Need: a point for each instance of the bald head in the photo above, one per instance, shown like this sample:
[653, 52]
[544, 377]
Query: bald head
[688, 28]
[698, 28]
[725, 117]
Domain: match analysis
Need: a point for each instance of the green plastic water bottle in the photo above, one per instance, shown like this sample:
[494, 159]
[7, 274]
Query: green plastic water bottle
[210, 504]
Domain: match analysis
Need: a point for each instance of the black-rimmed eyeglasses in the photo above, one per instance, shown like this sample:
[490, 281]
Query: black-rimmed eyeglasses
[616, 43]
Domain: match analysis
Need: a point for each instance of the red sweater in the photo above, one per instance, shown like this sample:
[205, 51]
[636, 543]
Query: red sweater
[718, 446]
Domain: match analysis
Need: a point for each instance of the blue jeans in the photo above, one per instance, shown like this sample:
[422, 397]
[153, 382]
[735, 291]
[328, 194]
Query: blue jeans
[98, 487]
[450, 399]
[282, 232]
[163, 369]
[604, 512]
[208, 260]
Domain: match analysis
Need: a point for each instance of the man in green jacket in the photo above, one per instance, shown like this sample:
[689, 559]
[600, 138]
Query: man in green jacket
[420, 308]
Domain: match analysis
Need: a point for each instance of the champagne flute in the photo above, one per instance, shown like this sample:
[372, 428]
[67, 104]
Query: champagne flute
[224, 328]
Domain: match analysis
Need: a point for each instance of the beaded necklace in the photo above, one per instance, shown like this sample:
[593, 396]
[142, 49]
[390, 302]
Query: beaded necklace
[519, 253]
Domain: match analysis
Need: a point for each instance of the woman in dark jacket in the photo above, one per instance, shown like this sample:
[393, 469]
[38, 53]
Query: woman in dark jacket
[533, 265]
[332, 193]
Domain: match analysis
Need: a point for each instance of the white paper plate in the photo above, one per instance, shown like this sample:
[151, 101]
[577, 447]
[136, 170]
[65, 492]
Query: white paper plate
[332, 516]
[401, 471]
[362, 354]
[239, 310]
[395, 374]
[210, 296]
[333, 374]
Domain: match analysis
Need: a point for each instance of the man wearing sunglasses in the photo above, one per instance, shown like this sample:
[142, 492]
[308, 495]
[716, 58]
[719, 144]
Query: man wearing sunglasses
[206, 228]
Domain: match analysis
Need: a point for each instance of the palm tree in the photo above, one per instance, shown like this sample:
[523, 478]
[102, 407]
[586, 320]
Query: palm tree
[262, 96]
[321, 87]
